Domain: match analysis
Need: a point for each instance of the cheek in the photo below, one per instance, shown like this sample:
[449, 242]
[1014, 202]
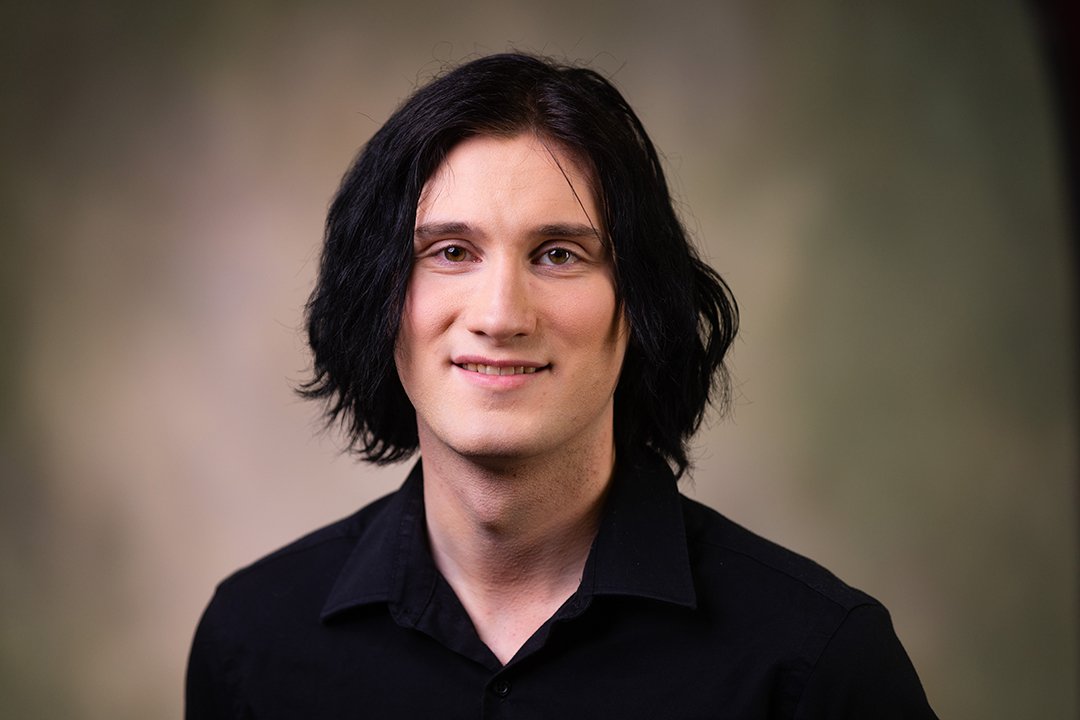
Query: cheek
[426, 312]
[593, 322]
[410, 333]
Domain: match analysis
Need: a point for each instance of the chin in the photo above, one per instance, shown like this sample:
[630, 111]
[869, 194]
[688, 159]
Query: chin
[499, 449]
[483, 444]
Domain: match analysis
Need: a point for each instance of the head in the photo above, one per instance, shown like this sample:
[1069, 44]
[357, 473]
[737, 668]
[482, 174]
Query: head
[680, 316]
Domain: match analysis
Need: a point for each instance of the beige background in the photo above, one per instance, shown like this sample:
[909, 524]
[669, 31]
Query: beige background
[881, 188]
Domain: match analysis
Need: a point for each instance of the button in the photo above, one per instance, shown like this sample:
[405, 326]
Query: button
[501, 688]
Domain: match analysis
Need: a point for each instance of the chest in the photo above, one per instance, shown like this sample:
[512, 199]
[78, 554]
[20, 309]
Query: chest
[599, 665]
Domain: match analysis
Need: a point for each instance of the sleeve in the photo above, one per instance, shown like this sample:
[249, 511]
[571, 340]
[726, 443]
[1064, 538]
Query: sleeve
[208, 694]
[864, 672]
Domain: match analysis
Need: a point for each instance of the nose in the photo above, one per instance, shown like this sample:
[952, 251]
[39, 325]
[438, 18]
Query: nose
[500, 305]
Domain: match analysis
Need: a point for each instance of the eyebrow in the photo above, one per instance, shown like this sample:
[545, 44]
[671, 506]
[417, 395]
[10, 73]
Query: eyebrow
[568, 230]
[433, 230]
[561, 230]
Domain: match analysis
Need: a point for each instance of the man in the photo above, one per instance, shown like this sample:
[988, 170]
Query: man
[505, 287]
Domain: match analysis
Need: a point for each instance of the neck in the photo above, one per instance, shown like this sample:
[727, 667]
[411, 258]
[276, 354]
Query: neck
[512, 539]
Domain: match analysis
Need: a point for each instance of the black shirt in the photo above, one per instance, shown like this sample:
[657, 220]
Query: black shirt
[680, 613]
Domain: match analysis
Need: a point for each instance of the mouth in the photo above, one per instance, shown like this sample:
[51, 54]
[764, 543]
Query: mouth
[483, 369]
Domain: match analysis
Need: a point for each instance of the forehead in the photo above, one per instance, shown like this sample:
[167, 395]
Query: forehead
[506, 178]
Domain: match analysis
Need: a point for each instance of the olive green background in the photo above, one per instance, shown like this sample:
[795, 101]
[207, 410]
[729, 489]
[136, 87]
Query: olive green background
[880, 183]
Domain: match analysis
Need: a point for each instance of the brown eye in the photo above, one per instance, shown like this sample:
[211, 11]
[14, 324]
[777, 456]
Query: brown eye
[559, 256]
[454, 253]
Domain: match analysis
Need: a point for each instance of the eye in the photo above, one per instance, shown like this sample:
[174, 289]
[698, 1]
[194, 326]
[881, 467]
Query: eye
[558, 256]
[454, 253]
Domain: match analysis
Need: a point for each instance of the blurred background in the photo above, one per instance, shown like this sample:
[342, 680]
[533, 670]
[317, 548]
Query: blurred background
[881, 184]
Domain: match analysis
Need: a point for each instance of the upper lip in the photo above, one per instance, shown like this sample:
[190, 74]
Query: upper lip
[504, 362]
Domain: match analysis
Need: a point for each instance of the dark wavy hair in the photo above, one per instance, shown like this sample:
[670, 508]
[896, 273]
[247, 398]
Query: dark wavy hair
[682, 315]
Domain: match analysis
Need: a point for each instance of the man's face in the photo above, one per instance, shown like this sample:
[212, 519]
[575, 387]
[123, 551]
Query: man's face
[510, 344]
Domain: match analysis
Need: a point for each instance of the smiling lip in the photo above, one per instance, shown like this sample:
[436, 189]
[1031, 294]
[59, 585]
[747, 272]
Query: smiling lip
[485, 366]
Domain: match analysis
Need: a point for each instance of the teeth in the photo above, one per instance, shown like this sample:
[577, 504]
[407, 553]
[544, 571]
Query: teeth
[496, 370]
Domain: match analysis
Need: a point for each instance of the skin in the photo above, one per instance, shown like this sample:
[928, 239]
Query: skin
[510, 350]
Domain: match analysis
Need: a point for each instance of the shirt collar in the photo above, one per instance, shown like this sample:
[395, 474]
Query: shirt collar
[391, 562]
[640, 548]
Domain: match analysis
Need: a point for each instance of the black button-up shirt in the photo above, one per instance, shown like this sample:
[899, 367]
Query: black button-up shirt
[680, 614]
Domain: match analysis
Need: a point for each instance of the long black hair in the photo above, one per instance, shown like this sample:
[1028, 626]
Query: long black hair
[682, 315]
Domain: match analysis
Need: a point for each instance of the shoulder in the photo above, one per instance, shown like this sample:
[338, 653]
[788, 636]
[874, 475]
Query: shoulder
[784, 601]
[272, 603]
[295, 579]
[326, 547]
[833, 645]
[716, 542]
